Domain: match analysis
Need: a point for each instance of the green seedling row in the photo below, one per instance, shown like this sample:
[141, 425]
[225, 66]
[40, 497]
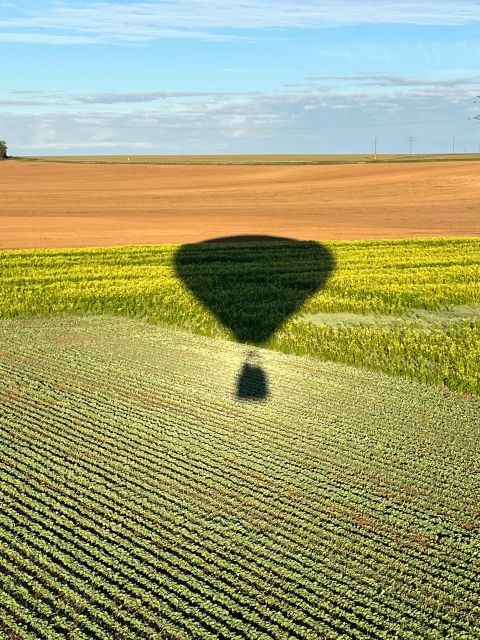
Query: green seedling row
[142, 499]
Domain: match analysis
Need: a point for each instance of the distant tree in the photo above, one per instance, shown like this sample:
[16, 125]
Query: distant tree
[3, 150]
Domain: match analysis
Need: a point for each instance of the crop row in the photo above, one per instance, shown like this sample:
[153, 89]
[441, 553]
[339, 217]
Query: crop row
[40, 503]
[132, 509]
[215, 443]
[120, 378]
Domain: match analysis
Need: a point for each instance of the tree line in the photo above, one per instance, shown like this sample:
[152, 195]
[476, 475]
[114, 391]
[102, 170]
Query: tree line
[3, 150]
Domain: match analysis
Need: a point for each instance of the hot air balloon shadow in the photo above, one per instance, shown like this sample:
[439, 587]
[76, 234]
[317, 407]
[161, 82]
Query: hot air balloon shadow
[253, 285]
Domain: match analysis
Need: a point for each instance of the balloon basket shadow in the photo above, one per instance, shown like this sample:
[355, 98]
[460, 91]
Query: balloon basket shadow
[252, 382]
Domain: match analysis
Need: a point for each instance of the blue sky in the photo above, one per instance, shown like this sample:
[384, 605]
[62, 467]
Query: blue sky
[257, 76]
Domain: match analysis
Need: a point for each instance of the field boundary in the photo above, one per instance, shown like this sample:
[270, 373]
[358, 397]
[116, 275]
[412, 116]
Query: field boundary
[250, 160]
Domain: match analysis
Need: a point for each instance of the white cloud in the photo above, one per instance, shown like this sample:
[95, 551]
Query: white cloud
[139, 22]
[118, 97]
[139, 147]
[47, 38]
[299, 119]
[390, 80]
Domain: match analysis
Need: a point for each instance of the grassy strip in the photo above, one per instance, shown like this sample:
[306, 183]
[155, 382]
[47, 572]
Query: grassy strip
[261, 159]
[246, 286]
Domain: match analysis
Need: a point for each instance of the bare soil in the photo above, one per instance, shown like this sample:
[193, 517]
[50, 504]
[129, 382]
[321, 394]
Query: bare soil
[80, 205]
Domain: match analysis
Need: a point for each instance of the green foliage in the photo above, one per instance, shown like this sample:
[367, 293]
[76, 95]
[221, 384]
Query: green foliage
[374, 277]
[3, 150]
[140, 499]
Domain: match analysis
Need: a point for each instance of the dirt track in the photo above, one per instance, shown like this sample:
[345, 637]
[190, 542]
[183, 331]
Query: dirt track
[69, 205]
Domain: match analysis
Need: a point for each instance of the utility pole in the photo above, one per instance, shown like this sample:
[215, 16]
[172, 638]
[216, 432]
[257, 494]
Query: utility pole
[410, 139]
[453, 145]
[477, 118]
[375, 140]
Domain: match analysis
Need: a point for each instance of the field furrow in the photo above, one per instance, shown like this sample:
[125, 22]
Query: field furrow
[132, 509]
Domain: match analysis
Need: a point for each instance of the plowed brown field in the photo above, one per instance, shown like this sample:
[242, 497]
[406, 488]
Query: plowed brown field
[75, 205]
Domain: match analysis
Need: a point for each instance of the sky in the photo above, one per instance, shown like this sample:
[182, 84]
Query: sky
[256, 76]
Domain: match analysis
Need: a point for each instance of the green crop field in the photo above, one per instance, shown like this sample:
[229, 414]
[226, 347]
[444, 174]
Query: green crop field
[186, 452]
[141, 499]
[254, 159]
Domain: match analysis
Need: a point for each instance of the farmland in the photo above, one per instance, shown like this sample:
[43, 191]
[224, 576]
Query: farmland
[56, 205]
[239, 437]
[363, 303]
[141, 499]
